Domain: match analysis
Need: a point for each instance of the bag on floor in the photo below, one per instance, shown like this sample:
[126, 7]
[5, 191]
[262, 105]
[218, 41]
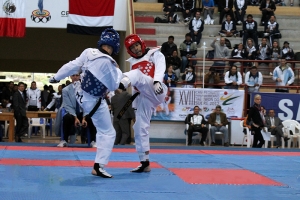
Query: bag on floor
[260, 34]
[160, 20]
[210, 54]
[228, 43]
[176, 18]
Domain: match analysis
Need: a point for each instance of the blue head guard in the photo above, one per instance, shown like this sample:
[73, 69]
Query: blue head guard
[110, 37]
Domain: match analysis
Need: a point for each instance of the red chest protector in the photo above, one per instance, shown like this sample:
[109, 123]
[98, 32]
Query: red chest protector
[145, 67]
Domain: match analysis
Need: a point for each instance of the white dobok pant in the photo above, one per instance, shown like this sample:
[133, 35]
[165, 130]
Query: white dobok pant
[145, 104]
[106, 133]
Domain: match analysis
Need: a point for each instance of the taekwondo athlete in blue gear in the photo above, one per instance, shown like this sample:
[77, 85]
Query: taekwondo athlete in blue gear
[99, 74]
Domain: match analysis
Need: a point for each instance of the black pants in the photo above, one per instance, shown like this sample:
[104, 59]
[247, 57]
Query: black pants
[192, 129]
[196, 38]
[266, 16]
[123, 131]
[239, 16]
[277, 131]
[257, 137]
[70, 129]
[250, 34]
[22, 124]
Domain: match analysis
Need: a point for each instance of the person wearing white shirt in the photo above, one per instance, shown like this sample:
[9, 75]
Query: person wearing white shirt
[34, 98]
[196, 27]
[196, 122]
[284, 76]
[253, 79]
[233, 78]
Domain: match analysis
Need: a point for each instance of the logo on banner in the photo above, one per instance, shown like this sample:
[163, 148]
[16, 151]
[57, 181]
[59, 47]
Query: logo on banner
[64, 13]
[40, 15]
[228, 100]
[9, 7]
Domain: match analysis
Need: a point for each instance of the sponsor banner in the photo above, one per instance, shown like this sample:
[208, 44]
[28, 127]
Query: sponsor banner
[54, 14]
[286, 105]
[47, 13]
[180, 102]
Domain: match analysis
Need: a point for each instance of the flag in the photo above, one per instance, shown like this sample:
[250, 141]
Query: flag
[90, 17]
[12, 18]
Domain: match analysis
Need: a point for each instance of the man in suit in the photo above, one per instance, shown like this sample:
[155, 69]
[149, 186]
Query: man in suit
[274, 125]
[225, 8]
[218, 122]
[74, 115]
[122, 126]
[19, 105]
[196, 123]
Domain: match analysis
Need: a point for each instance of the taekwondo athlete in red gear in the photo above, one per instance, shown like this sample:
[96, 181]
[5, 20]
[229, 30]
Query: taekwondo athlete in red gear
[146, 77]
[100, 74]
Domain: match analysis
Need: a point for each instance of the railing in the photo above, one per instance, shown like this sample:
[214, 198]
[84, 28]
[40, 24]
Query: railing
[242, 67]
[131, 18]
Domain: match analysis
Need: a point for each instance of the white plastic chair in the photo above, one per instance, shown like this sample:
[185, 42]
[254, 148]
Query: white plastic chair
[33, 122]
[248, 137]
[273, 138]
[292, 125]
[196, 136]
[218, 133]
[6, 126]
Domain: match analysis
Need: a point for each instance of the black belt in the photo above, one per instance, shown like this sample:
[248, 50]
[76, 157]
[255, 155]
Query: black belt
[127, 105]
[95, 108]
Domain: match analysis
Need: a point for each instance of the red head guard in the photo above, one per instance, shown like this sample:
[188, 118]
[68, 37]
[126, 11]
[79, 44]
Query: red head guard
[130, 40]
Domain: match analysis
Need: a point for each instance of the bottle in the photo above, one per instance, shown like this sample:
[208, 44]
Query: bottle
[41, 120]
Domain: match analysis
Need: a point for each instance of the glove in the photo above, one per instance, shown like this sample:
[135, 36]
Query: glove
[53, 80]
[157, 87]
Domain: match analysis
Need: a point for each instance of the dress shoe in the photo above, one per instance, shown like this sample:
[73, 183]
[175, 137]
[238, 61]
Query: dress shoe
[286, 139]
[202, 143]
[18, 139]
[213, 144]
[226, 144]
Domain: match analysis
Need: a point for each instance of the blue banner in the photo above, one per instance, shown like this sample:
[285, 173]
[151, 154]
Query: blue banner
[286, 105]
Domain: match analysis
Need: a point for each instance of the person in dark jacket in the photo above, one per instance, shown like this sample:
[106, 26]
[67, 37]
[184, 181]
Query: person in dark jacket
[19, 105]
[240, 7]
[196, 27]
[238, 53]
[188, 7]
[228, 28]
[257, 121]
[188, 49]
[225, 8]
[250, 30]
[170, 77]
[169, 8]
[272, 29]
[175, 61]
[267, 8]
[196, 122]
[189, 77]
[168, 47]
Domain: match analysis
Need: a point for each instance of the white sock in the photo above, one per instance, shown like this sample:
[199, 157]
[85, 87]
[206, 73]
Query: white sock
[143, 156]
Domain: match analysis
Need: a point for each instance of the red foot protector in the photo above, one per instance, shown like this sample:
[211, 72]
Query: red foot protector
[223, 176]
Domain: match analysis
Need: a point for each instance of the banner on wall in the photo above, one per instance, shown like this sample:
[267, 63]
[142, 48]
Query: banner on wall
[286, 105]
[180, 102]
[54, 13]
